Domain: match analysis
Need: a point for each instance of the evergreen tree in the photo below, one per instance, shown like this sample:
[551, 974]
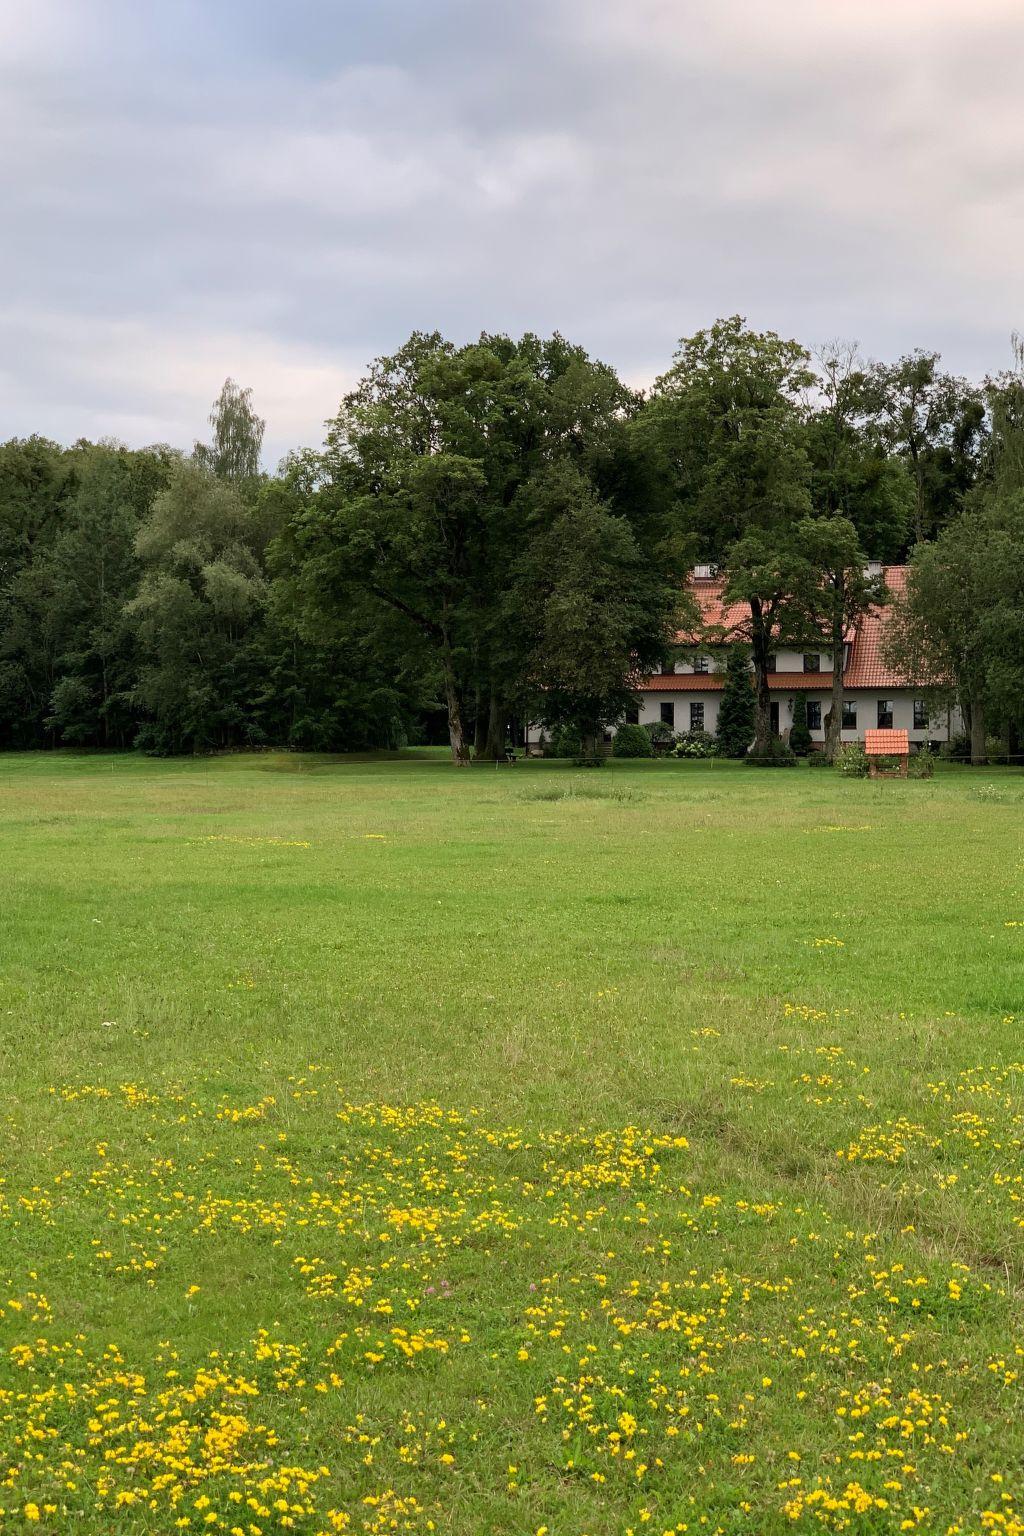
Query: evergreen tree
[736, 711]
[799, 735]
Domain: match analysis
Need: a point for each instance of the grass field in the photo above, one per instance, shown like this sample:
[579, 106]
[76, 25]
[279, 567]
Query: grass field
[393, 1149]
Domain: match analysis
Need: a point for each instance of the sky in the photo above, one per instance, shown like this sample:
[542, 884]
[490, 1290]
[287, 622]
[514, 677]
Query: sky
[281, 190]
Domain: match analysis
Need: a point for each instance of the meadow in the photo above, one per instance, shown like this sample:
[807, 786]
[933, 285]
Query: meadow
[531, 1151]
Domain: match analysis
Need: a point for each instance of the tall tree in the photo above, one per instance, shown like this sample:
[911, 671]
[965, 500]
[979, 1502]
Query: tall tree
[431, 469]
[839, 589]
[730, 419]
[198, 613]
[937, 423]
[853, 474]
[595, 609]
[234, 454]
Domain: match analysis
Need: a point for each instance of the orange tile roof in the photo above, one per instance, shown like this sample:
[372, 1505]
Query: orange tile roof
[714, 682]
[865, 668]
[887, 743]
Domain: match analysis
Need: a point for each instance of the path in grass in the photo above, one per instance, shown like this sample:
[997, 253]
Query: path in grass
[394, 1149]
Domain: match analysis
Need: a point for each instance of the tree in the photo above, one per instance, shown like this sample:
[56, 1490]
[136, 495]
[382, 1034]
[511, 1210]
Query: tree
[593, 611]
[853, 474]
[437, 476]
[936, 423]
[736, 711]
[197, 614]
[837, 591]
[799, 735]
[730, 420]
[234, 454]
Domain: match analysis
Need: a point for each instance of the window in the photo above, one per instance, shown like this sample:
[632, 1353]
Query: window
[849, 714]
[885, 714]
[668, 667]
[772, 663]
[668, 714]
[812, 662]
[697, 717]
[920, 715]
[814, 714]
[700, 664]
[632, 715]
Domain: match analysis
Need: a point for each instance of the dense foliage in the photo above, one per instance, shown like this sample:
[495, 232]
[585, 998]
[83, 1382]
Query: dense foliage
[500, 532]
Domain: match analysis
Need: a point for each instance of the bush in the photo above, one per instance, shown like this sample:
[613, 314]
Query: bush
[800, 735]
[921, 765]
[632, 741]
[696, 744]
[659, 733]
[852, 760]
[779, 755]
[589, 760]
[956, 751]
[995, 750]
[817, 760]
[565, 742]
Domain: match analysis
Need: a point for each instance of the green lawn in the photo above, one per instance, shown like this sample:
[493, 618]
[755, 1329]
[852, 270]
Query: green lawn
[388, 1148]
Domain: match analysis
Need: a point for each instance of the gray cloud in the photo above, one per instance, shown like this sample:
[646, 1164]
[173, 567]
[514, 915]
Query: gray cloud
[281, 192]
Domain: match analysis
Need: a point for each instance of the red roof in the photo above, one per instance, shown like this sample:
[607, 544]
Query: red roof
[864, 669]
[887, 743]
[714, 682]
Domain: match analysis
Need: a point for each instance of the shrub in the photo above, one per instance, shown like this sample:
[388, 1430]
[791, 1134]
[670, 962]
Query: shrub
[659, 733]
[779, 755]
[588, 759]
[565, 742]
[995, 750]
[632, 741]
[696, 744]
[736, 711]
[956, 751]
[921, 765]
[817, 760]
[800, 735]
[852, 760]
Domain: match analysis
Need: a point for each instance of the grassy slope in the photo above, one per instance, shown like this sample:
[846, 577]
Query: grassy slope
[539, 950]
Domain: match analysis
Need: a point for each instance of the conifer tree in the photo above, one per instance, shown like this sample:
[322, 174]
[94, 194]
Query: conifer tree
[799, 735]
[736, 711]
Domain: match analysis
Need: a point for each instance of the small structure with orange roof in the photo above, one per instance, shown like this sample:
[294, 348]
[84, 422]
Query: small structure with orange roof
[887, 744]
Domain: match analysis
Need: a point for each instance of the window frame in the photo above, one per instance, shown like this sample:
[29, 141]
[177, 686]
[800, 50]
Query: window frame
[701, 665]
[921, 708]
[814, 656]
[697, 705]
[815, 723]
[667, 713]
[889, 712]
[849, 709]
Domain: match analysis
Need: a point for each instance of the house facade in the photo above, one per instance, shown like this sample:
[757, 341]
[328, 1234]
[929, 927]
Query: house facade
[686, 695]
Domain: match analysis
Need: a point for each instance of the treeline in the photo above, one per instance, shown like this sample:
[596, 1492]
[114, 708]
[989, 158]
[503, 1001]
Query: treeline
[499, 532]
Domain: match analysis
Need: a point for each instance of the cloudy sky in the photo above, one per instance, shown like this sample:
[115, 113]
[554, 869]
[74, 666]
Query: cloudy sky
[282, 189]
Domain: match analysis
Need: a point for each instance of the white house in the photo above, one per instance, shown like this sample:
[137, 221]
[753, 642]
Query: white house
[686, 694]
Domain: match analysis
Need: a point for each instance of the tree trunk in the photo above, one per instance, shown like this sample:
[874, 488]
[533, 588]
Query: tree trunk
[834, 718]
[460, 751]
[762, 693]
[479, 729]
[588, 740]
[977, 733]
[494, 745]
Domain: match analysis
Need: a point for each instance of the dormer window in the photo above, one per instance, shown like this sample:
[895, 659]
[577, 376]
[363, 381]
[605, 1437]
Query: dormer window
[701, 664]
[812, 661]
